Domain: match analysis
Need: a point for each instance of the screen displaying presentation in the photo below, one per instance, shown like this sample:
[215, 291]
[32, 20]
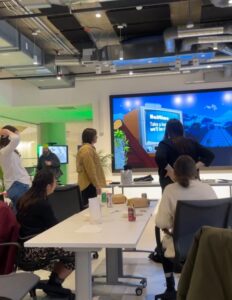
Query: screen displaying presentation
[138, 124]
[61, 152]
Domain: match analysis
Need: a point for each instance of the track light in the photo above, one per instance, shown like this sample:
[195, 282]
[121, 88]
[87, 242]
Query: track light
[35, 59]
[58, 73]
[121, 55]
[215, 46]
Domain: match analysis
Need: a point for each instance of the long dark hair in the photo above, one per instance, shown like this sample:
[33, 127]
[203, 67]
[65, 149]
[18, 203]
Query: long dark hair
[88, 135]
[4, 140]
[174, 131]
[185, 170]
[38, 189]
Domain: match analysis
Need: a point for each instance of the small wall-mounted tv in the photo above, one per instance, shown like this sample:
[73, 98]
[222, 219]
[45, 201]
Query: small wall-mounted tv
[61, 152]
[138, 123]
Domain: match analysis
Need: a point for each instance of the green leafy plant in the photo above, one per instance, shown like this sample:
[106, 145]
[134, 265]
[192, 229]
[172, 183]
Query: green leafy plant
[105, 160]
[121, 140]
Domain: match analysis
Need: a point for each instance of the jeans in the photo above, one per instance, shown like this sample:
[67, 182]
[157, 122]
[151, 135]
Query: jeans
[16, 191]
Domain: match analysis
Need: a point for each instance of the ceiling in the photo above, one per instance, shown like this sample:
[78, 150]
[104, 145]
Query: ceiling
[40, 39]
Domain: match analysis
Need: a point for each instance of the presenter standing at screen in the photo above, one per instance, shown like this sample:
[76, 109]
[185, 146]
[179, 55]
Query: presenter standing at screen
[91, 177]
[49, 160]
[172, 146]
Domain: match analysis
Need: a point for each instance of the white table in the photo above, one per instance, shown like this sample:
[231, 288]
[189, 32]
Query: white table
[78, 235]
[147, 184]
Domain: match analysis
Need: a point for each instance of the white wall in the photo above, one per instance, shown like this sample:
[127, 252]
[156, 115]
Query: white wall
[96, 92]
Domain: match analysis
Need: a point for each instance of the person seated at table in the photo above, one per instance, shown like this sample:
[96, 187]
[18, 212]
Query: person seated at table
[186, 187]
[35, 215]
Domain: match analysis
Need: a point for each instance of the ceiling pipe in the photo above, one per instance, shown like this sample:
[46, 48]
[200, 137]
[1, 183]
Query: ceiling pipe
[171, 34]
[41, 25]
[189, 42]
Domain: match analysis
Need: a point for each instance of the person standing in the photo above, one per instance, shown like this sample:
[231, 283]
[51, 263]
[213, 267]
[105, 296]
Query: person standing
[16, 179]
[49, 160]
[175, 144]
[91, 177]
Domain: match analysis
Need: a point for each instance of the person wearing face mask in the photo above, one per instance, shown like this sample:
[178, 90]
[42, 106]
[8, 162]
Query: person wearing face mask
[16, 179]
[91, 177]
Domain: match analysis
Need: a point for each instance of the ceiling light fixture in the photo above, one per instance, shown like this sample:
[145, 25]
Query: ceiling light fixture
[189, 24]
[131, 72]
[98, 15]
[58, 73]
[139, 7]
[121, 54]
[35, 57]
[215, 46]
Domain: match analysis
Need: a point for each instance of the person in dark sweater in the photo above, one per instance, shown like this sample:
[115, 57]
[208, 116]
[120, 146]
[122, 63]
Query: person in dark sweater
[35, 215]
[49, 160]
[169, 149]
[175, 144]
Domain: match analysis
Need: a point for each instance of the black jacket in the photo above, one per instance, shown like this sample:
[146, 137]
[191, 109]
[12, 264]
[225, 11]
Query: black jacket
[55, 166]
[168, 152]
[37, 218]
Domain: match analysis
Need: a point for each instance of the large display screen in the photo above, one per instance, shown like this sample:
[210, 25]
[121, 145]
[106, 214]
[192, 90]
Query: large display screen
[61, 152]
[138, 124]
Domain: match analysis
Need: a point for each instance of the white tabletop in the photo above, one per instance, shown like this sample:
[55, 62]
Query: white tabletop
[115, 231]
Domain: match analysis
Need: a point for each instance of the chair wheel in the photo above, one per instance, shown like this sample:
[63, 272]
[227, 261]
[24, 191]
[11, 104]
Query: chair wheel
[138, 291]
[144, 283]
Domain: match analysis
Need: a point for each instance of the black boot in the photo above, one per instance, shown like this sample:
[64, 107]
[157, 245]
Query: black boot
[170, 293]
[55, 280]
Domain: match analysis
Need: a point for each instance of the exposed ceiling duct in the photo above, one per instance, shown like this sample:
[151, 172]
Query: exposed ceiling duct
[171, 34]
[9, 37]
[225, 49]
[221, 3]
[213, 41]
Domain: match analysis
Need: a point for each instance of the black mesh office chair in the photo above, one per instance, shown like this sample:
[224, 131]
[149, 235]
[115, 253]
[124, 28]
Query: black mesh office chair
[190, 216]
[66, 201]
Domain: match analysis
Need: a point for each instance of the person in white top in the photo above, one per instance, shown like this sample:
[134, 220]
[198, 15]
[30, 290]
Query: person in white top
[186, 187]
[16, 179]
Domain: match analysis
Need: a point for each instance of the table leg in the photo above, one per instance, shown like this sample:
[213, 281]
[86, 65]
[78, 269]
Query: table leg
[114, 265]
[83, 280]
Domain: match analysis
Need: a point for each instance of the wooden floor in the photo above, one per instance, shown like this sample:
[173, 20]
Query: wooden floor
[134, 263]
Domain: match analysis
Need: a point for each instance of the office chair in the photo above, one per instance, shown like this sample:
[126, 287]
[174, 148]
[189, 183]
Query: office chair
[67, 201]
[22, 284]
[190, 216]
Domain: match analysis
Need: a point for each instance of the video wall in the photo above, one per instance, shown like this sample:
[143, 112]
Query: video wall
[138, 123]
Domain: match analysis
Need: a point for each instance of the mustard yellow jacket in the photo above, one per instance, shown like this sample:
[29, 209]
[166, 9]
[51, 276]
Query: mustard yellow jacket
[89, 168]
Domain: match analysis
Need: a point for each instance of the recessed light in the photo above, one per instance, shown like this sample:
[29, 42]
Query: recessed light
[98, 15]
